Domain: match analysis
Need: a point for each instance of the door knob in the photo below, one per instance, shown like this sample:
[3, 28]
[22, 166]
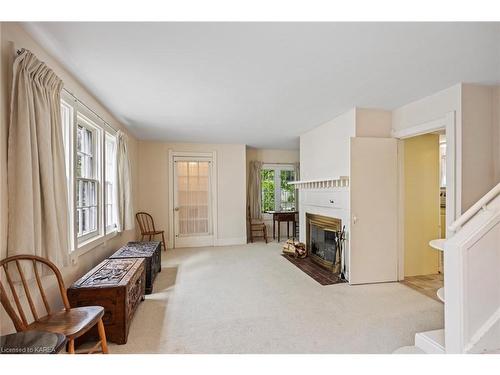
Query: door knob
[176, 209]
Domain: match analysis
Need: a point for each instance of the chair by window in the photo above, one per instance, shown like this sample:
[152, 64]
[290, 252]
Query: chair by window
[147, 227]
[258, 229]
[71, 322]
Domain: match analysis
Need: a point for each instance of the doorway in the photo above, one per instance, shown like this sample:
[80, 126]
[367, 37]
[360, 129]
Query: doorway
[451, 171]
[192, 200]
[424, 186]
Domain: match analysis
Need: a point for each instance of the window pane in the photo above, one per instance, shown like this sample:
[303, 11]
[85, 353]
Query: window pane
[78, 167]
[267, 183]
[85, 149]
[287, 190]
[79, 136]
[78, 221]
[85, 220]
[93, 219]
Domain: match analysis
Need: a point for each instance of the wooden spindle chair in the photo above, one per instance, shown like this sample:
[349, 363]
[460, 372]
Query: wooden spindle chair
[71, 322]
[256, 227]
[147, 227]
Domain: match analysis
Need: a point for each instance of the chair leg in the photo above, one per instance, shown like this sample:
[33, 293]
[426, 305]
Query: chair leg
[163, 240]
[265, 233]
[142, 237]
[71, 346]
[102, 336]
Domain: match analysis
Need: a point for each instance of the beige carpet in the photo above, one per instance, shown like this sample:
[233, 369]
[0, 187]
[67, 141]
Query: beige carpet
[249, 299]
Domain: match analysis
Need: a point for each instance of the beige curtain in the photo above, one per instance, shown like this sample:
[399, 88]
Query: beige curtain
[254, 190]
[37, 191]
[124, 204]
[296, 168]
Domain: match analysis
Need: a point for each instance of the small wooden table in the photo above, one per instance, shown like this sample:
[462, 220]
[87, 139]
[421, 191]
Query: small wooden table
[279, 216]
[32, 342]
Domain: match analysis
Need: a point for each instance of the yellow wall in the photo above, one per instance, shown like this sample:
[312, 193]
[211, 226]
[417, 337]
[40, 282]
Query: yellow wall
[422, 210]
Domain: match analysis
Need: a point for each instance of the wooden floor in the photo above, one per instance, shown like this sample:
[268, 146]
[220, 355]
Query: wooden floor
[425, 284]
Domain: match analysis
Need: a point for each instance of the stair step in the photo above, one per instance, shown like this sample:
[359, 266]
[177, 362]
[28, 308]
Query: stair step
[431, 342]
[440, 294]
[438, 244]
[408, 350]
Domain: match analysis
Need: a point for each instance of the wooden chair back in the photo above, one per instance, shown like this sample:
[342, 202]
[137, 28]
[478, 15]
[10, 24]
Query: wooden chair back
[146, 222]
[12, 266]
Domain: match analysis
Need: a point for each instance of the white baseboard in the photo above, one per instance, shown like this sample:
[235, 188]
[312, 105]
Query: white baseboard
[230, 241]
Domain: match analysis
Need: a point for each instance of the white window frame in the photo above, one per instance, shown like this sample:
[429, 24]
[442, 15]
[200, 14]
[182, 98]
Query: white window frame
[277, 182]
[81, 114]
[97, 159]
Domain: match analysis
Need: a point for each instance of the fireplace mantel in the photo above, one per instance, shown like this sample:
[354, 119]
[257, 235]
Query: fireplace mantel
[323, 183]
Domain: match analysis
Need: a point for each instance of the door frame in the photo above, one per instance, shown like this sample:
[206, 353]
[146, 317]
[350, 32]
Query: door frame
[447, 123]
[213, 187]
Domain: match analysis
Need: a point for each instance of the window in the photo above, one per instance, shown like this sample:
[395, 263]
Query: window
[90, 151]
[277, 193]
[87, 182]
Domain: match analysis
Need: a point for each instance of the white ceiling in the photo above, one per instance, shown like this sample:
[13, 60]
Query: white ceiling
[264, 84]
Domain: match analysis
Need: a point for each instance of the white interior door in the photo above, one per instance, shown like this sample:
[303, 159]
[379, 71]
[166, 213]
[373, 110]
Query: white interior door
[192, 202]
[373, 255]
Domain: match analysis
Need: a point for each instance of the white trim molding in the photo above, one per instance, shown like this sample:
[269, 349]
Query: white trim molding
[420, 129]
[453, 172]
[323, 183]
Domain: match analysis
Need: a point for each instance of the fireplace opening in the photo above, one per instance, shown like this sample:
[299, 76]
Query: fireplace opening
[324, 241]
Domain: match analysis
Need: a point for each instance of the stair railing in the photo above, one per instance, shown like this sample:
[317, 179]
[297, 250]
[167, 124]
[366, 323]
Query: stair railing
[476, 207]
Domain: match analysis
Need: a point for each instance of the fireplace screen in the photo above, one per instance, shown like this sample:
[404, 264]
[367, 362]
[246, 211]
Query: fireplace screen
[323, 243]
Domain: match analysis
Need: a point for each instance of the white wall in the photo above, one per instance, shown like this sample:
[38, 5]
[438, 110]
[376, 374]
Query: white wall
[325, 153]
[496, 128]
[477, 134]
[231, 186]
[373, 123]
[427, 109]
[13, 37]
[478, 142]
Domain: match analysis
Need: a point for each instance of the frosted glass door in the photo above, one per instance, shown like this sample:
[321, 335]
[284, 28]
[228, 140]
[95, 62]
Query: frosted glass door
[192, 202]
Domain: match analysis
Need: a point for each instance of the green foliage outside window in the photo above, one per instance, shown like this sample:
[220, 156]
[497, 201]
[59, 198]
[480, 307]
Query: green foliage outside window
[269, 190]
[267, 183]
[287, 190]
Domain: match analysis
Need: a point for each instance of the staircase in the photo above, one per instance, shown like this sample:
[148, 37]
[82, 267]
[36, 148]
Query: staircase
[471, 283]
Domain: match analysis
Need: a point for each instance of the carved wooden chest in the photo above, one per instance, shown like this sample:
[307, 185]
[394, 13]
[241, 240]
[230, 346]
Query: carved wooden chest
[150, 251]
[118, 285]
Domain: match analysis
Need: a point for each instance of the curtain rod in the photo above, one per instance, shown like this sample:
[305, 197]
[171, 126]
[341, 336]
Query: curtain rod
[19, 51]
[90, 109]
